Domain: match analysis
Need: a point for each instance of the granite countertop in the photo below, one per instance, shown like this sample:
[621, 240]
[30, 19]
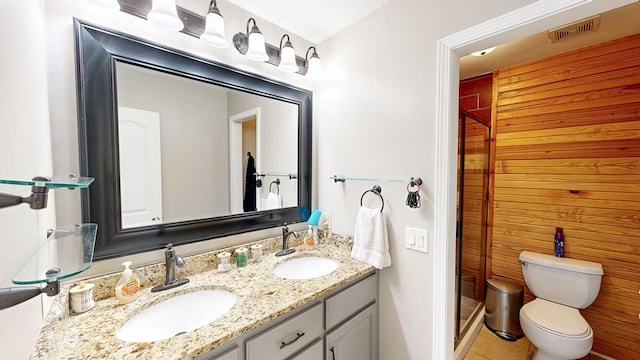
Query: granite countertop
[262, 297]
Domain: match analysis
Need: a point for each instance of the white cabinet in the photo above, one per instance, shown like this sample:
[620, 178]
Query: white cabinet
[342, 325]
[351, 300]
[354, 311]
[356, 339]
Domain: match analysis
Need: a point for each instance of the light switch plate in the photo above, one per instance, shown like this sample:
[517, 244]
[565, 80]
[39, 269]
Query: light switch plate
[417, 239]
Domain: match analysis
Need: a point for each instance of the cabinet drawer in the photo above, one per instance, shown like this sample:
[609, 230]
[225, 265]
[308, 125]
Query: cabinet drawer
[288, 337]
[349, 301]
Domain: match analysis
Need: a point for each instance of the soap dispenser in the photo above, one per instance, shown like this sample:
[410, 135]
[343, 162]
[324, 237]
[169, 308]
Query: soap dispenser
[128, 285]
[309, 238]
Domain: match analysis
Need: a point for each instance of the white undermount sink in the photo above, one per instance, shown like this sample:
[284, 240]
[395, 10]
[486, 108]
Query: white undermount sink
[307, 267]
[177, 315]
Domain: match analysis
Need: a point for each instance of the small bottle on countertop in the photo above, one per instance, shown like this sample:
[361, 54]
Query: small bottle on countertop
[128, 285]
[241, 256]
[559, 243]
[309, 239]
[326, 226]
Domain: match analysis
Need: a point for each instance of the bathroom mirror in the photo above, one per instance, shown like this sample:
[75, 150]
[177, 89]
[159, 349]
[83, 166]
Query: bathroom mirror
[199, 170]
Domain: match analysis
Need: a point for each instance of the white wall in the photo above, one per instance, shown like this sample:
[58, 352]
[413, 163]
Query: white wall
[25, 152]
[375, 118]
[386, 67]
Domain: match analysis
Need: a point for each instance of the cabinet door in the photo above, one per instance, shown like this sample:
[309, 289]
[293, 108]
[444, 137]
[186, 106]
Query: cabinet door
[314, 352]
[354, 340]
[351, 300]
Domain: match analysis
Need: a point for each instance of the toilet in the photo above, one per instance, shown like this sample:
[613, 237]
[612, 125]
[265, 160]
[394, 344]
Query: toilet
[552, 322]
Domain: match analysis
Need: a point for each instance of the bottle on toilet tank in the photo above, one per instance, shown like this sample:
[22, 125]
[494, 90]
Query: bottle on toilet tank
[559, 243]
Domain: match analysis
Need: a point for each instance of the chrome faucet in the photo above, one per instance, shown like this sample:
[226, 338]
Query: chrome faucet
[171, 261]
[285, 241]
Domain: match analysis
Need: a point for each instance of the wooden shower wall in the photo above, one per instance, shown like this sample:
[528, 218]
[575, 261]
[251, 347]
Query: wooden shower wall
[567, 154]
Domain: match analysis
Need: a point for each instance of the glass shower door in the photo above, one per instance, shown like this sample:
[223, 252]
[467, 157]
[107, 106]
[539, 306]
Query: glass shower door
[471, 230]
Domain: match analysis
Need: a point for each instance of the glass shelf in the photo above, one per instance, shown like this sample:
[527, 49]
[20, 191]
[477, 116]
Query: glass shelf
[69, 249]
[57, 181]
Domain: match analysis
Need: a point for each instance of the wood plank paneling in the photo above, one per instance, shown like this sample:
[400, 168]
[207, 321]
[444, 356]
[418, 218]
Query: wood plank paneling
[475, 97]
[566, 153]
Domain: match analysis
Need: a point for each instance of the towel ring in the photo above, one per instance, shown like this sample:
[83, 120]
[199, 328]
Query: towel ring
[277, 183]
[376, 189]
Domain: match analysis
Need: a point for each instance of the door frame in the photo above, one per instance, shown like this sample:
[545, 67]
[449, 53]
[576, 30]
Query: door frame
[236, 179]
[528, 20]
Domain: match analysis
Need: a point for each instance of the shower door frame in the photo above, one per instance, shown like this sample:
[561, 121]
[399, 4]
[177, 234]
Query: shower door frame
[462, 117]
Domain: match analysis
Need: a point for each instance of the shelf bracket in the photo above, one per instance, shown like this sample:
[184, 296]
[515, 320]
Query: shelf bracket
[18, 294]
[37, 200]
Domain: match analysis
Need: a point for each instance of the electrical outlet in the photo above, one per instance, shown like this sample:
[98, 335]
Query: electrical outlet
[417, 239]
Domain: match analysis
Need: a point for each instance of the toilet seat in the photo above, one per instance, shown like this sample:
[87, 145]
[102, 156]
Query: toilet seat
[557, 319]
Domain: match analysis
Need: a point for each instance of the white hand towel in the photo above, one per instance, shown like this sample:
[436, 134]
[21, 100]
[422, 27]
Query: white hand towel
[370, 242]
[273, 201]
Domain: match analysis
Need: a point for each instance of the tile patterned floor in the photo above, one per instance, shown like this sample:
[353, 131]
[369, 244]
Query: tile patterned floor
[488, 346]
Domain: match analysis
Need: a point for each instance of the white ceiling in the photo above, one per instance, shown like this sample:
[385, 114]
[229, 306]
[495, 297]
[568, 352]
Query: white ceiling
[614, 24]
[314, 20]
[318, 20]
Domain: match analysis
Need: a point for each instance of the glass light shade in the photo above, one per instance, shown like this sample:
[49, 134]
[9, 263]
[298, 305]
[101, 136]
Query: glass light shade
[213, 34]
[164, 15]
[106, 5]
[257, 50]
[314, 67]
[288, 59]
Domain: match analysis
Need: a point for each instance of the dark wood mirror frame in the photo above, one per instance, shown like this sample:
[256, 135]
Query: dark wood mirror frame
[97, 50]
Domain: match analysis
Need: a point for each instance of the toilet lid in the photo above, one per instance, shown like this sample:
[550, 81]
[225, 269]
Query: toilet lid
[555, 318]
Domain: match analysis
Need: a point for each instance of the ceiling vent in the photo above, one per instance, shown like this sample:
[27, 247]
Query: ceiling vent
[583, 26]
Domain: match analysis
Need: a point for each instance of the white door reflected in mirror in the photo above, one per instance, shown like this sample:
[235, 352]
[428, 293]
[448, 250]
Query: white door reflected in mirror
[140, 169]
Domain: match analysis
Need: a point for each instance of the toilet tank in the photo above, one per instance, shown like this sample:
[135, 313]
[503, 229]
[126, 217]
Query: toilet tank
[571, 282]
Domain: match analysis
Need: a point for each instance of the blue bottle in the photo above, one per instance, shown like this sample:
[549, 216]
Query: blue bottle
[559, 243]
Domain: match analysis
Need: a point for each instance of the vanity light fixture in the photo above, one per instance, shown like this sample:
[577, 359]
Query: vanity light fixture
[210, 30]
[314, 66]
[213, 34]
[257, 50]
[287, 56]
[283, 57]
[106, 5]
[164, 15]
